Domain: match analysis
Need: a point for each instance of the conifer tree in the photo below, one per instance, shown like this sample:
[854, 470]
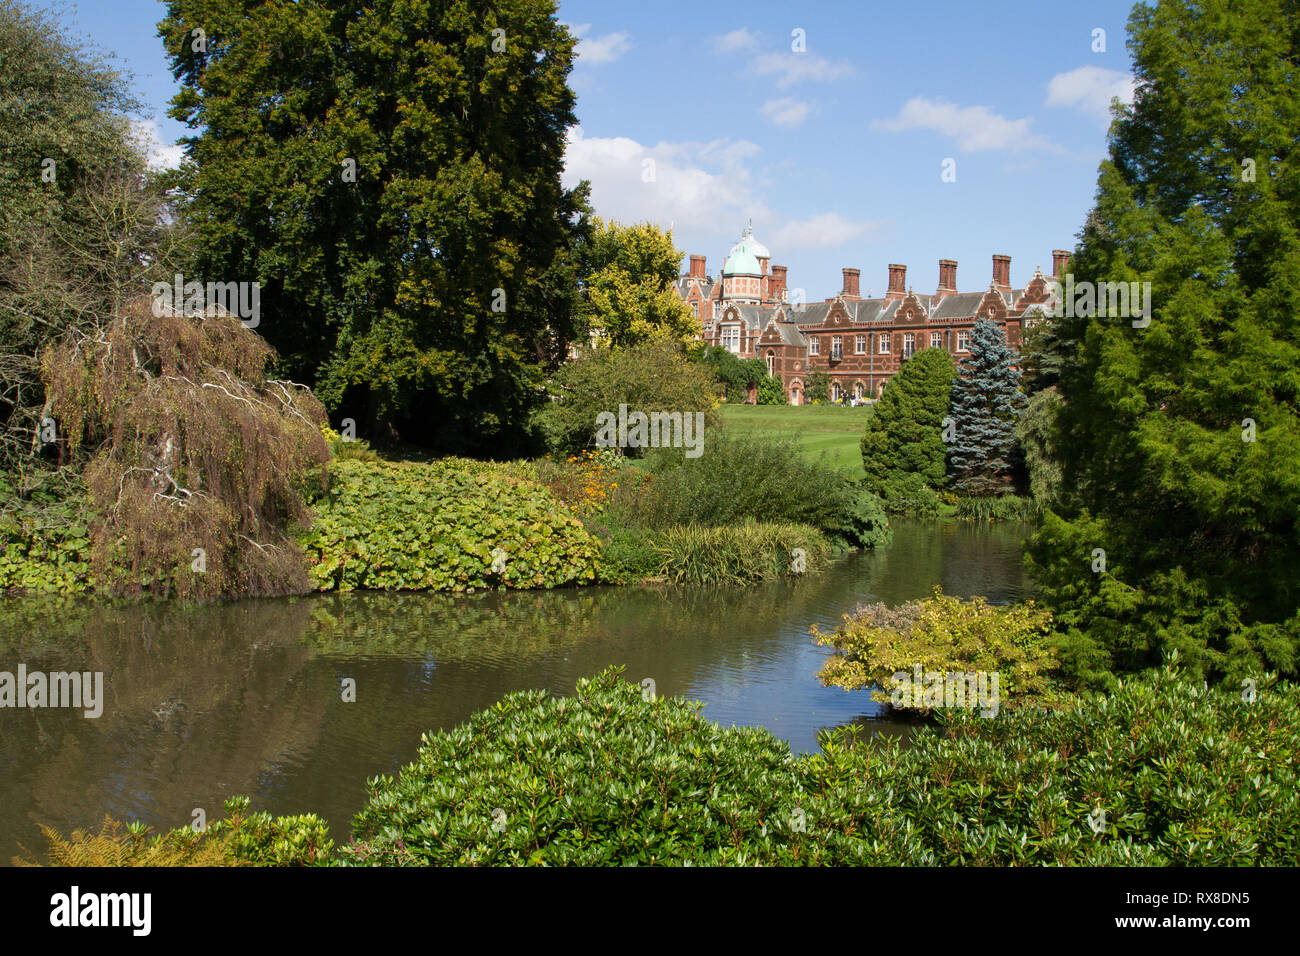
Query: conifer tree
[905, 434]
[986, 404]
[1180, 436]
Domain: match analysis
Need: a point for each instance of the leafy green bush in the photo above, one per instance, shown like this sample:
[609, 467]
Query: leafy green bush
[943, 635]
[738, 554]
[628, 555]
[417, 526]
[44, 539]
[908, 494]
[654, 376]
[736, 375]
[612, 776]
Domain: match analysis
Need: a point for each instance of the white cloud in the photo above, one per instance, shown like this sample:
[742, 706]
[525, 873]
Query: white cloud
[786, 111]
[696, 187]
[975, 128]
[1089, 89]
[594, 51]
[792, 68]
[820, 232]
[158, 154]
[741, 39]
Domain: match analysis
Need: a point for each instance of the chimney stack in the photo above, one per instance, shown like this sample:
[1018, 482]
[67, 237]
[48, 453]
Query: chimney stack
[1060, 261]
[778, 283]
[850, 283]
[697, 267]
[947, 277]
[1002, 273]
[897, 281]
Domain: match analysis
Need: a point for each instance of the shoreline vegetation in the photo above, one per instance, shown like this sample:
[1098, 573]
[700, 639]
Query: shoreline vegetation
[1160, 772]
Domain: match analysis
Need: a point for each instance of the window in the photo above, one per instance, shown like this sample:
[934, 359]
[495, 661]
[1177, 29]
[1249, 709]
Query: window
[936, 340]
[857, 391]
[860, 345]
[814, 345]
[837, 346]
[884, 345]
[835, 392]
[794, 396]
[770, 356]
[909, 344]
[963, 341]
[731, 338]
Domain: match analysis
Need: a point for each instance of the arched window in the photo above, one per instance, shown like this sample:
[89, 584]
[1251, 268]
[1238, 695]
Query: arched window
[770, 357]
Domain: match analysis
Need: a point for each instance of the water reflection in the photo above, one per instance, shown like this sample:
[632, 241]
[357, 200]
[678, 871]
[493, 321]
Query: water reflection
[245, 698]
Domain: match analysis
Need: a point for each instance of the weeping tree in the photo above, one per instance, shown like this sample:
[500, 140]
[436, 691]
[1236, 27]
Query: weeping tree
[195, 456]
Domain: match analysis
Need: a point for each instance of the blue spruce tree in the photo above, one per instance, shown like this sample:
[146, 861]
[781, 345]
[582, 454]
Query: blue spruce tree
[986, 403]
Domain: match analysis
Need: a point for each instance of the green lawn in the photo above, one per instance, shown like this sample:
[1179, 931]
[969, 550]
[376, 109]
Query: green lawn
[831, 429]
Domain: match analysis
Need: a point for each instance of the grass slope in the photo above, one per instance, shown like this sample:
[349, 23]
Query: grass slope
[833, 430]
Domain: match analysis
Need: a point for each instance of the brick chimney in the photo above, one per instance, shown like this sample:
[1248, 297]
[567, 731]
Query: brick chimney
[897, 281]
[1002, 273]
[778, 283]
[947, 278]
[1060, 261]
[850, 283]
[697, 267]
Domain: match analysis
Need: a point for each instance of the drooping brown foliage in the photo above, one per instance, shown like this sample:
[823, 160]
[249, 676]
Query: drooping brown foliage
[195, 455]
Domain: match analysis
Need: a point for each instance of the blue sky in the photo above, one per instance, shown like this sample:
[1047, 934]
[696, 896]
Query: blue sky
[836, 152]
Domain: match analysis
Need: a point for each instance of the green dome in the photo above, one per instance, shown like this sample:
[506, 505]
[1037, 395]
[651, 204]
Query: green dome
[742, 260]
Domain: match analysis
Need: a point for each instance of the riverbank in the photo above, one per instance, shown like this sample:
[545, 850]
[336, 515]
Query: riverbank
[245, 696]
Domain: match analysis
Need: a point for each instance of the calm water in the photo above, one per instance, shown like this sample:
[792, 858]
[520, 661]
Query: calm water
[207, 702]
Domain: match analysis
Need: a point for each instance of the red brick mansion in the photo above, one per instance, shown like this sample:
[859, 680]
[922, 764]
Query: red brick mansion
[858, 342]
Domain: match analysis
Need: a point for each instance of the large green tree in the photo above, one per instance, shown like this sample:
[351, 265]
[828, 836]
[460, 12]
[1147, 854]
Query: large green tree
[628, 276]
[1180, 437]
[389, 171]
[905, 435]
[986, 405]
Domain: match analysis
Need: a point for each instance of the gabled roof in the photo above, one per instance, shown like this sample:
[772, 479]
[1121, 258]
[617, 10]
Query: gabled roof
[789, 333]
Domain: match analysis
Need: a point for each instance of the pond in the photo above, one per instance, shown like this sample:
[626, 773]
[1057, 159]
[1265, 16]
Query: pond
[206, 702]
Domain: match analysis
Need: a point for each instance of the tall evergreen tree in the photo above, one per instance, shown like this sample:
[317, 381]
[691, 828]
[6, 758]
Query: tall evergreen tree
[389, 171]
[986, 404]
[905, 433]
[1180, 437]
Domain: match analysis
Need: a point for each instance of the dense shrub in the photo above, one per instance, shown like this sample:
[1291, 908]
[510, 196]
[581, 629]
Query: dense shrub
[628, 555]
[749, 477]
[610, 776]
[908, 494]
[411, 525]
[735, 375]
[1185, 776]
[239, 839]
[943, 634]
[654, 376]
